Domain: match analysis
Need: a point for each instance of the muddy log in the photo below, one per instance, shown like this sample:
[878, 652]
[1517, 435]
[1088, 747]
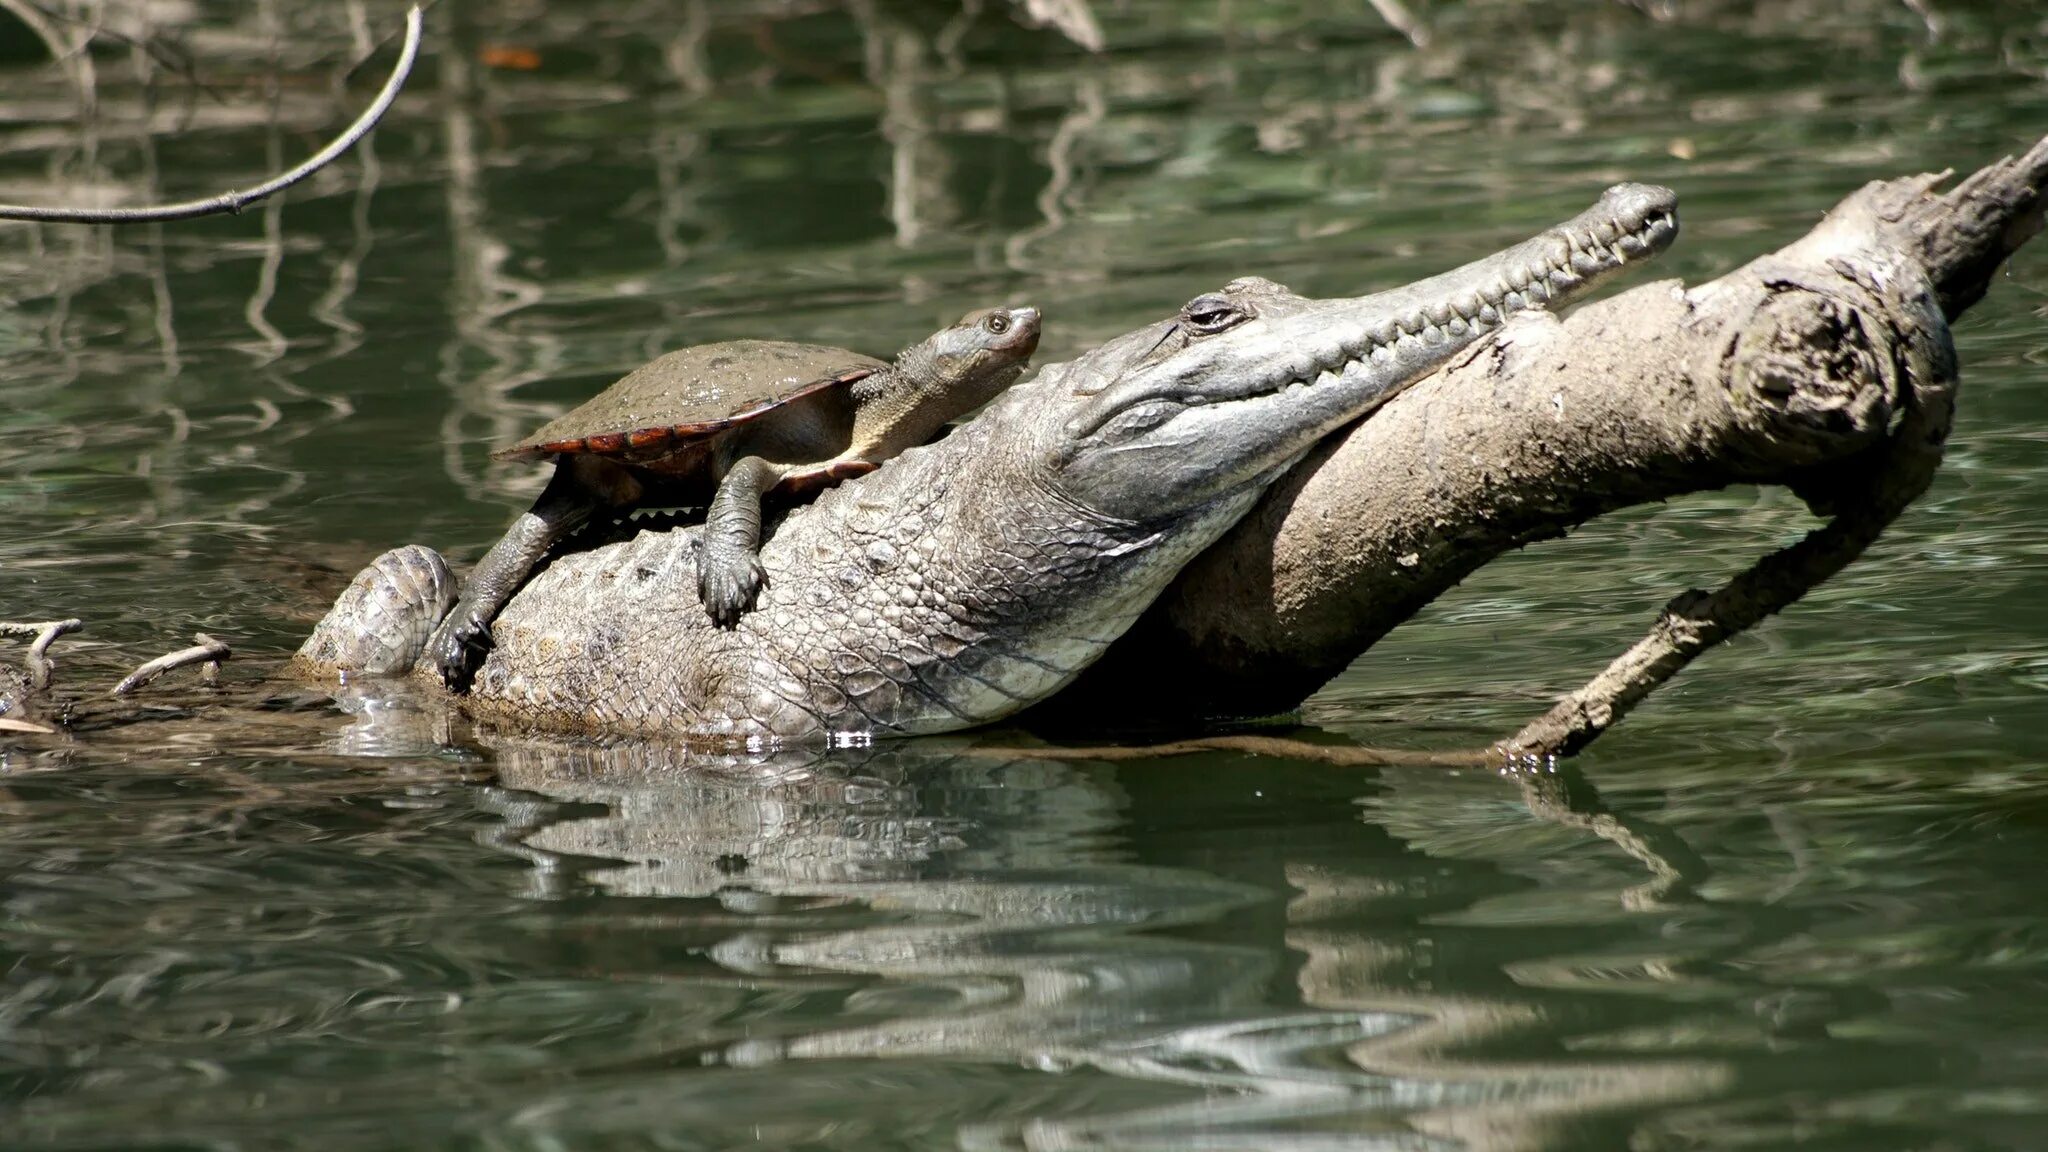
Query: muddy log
[1826, 366]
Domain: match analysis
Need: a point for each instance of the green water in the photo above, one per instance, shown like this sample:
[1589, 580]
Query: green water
[1794, 901]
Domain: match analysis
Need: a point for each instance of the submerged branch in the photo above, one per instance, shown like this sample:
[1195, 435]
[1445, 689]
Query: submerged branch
[208, 652]
[39, 664]
[231, 202]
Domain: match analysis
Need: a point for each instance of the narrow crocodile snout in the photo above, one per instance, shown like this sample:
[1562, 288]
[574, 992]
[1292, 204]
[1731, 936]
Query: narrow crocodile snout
[1630, 222]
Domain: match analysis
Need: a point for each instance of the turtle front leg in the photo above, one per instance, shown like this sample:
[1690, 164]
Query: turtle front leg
[578, 489]
[729, 572]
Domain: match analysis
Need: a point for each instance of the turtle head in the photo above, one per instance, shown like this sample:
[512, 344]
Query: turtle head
[983, 352]
[951, 373]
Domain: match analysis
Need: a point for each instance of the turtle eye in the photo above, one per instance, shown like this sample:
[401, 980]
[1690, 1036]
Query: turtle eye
[1212, 313]
[997, 323]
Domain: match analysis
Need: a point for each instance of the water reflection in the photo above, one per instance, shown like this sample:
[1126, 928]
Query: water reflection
[982, 909]
[227, 927]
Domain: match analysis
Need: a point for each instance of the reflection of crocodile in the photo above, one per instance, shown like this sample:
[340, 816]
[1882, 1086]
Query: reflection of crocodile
[934, 904]
[979, 575]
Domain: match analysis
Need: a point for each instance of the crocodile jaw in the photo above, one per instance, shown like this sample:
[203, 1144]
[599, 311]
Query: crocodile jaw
[1160, 432]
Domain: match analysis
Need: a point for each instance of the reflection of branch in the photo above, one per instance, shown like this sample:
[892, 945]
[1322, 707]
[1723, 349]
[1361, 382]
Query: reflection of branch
[330, 308]
[141, 45]
[483, 289]
[274, 343]
[1561, 795]
[1338, 755]
[73, 58]
[347, 271]
[1553, 791]
[1403, 21]
[685, 54]
[1088, 110]
[896, 65]
[1070, 18]
[235, 201]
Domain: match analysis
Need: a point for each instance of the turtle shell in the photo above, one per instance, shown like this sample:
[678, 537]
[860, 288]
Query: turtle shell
[663, 408]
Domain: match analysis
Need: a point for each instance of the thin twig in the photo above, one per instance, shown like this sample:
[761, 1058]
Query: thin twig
[45, 633]
[207, 651]
[232, 202]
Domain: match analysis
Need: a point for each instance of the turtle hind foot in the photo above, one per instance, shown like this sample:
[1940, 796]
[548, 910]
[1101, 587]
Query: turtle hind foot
[380, 623]
[728, 583]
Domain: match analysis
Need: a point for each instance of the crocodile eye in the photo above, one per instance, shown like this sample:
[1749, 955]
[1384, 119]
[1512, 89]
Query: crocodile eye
[1211, 313]
[997, 323]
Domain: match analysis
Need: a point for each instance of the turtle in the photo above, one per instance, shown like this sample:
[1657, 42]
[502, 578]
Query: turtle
[720, 426]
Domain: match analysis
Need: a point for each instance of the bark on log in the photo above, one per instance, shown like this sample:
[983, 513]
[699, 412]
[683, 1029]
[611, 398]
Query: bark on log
[1791, 370]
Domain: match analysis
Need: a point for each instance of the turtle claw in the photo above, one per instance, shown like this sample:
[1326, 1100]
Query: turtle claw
[458, 648]
[728, 584]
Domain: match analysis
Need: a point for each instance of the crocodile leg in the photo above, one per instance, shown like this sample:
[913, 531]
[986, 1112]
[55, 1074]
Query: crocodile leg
[729, 572]
[580, 487]
[380, 624]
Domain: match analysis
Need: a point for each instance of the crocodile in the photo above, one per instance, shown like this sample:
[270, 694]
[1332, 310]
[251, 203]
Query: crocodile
[974, 576]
